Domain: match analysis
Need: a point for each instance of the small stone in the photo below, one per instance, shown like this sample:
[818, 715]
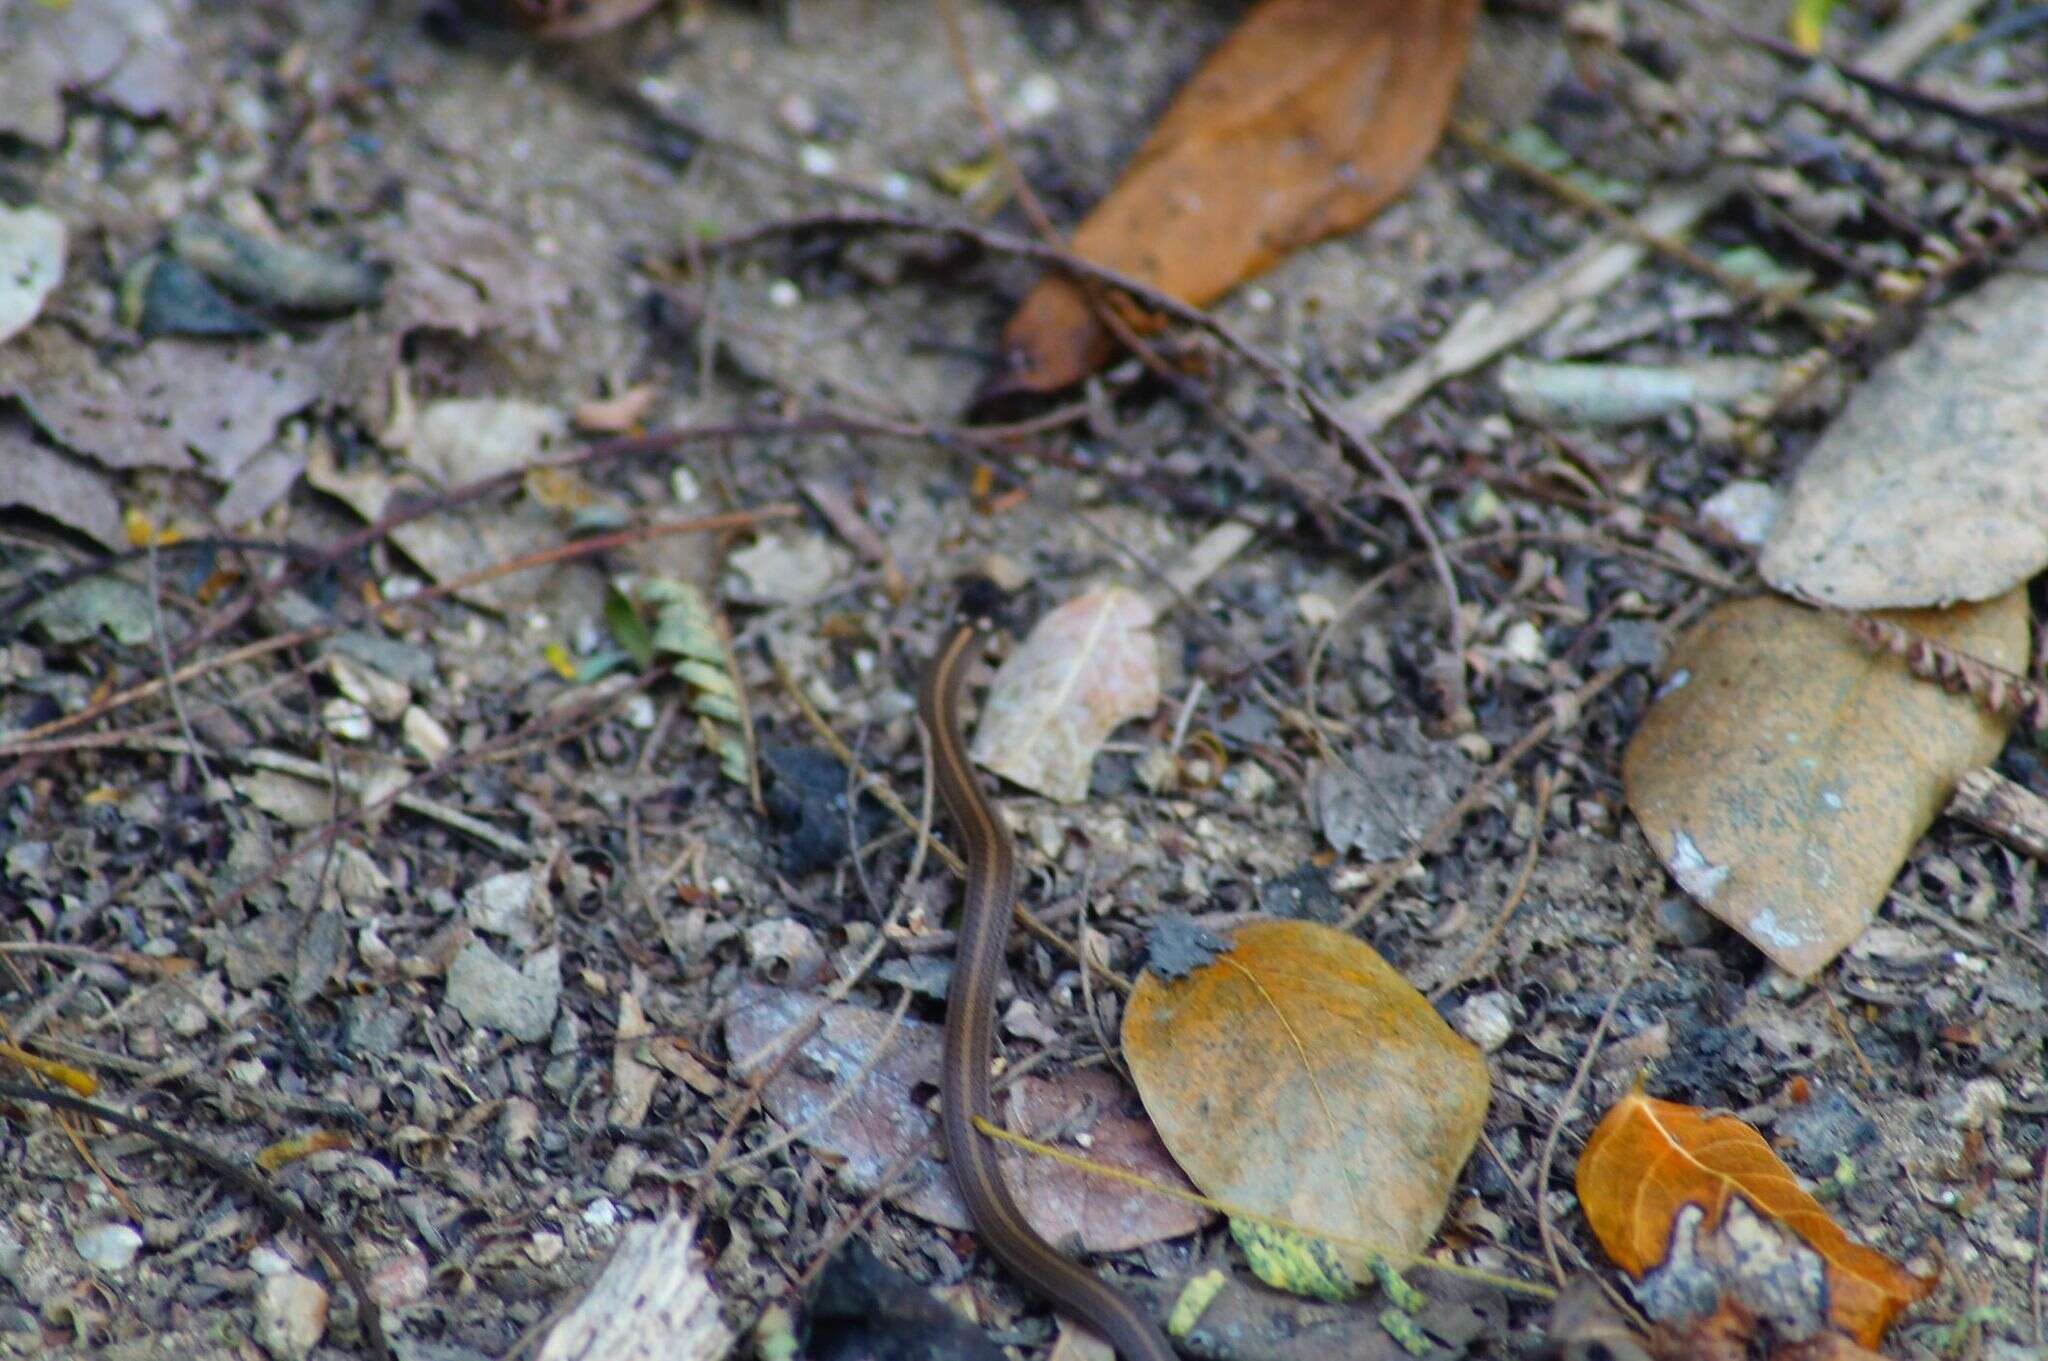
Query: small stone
[347, 719]
[784, 295]
[401, 1281]
[1251, 782]
[1007, 574]
[518, 1123]
[265, 1260]
[798, 116]
[1981, 1103]
[1487, 1020]
[1316, 610]
[375, 1026]
[601, 1214]
[424, 735]
[1038, 96]
[1742, 512]
[492, 995]
[514, 905]
[1022, 1019]
[1523, 642]
[817, 160]
[1681, 921]
[108, 1247]
[384, 697]
[291, 1315]
[1783, 986]
[545, 1248]
[1155, 768]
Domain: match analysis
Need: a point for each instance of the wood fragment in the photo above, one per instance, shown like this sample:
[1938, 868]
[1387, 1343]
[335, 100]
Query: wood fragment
[652, 1301]
[2011, 812]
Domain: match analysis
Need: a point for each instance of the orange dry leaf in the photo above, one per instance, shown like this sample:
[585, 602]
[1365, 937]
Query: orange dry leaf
[1307, 120]
[1648, 1159]
[291, 1150]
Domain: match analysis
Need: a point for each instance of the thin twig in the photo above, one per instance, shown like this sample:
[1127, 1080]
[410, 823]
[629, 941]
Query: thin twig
[1323, 413]
[1564, 1109]
[875, 785]
[163, 652]
[1544, 782]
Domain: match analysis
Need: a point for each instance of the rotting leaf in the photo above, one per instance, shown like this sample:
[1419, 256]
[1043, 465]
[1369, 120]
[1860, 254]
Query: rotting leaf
[885, 1116]
[1086, 667]
[39, 478]
[1304, 122]
[1300, 1076]
[31, 262]
[1648, 1161]
[156, 406]
[1926, 489]
[686, 628]
[1785, 771]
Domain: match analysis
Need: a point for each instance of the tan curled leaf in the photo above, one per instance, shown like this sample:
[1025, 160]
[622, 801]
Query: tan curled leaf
[1928, 487]
[1088, 666]
[1784, 771]
[1298, 1075]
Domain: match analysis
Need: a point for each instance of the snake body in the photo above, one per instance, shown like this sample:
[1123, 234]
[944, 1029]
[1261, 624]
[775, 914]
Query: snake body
[991, 858]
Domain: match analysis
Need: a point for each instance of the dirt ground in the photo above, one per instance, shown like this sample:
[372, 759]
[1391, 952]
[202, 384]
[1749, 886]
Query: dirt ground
[485, 1176]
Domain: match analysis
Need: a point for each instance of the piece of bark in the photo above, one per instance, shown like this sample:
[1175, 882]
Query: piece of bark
[652, 1303]
[2011, 812]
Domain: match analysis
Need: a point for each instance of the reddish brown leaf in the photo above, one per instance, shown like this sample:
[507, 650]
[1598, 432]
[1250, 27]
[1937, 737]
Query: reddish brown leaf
[866, 1106]
[1307, 120]
[1649, 1159]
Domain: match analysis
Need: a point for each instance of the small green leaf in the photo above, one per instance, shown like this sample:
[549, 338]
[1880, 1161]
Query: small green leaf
[628, 629]
[1293, 1262]
[1195, 1297]
[1407, 1332]
[1400, 1294]
[598, 665]
[1807, 24]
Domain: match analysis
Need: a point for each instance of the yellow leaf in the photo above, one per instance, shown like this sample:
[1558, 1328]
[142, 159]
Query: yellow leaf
[1297, 1075]
[559, 661]
[141, 531]
[1807, 25]
[83, 1083]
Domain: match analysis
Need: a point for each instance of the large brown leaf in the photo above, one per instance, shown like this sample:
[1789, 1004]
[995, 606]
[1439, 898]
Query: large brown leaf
[1305, 122]
[1785, 771]
[1298, 1075]
[1649, 1159]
